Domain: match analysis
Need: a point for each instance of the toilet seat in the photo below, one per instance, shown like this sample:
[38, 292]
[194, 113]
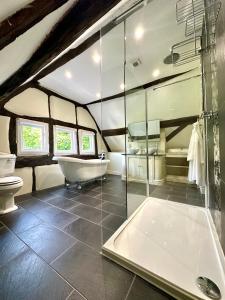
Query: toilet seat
[10, 180]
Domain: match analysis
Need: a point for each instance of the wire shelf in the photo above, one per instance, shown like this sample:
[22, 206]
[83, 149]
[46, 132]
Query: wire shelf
[188, 8]
[188, 50]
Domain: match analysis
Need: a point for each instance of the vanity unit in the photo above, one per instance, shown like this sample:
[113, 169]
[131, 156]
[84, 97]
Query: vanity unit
[134, 168]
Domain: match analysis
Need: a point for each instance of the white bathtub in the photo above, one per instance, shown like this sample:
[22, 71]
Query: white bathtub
[79, 170]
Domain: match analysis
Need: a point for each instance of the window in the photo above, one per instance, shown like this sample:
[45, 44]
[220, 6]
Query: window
[87, 142]
[65, 141]
[32, 137]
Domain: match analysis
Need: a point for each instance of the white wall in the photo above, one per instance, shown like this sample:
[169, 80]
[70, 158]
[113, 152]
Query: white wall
[62, 110]
[34, 103]
[31, 102]
[4, 135]
[115, 165]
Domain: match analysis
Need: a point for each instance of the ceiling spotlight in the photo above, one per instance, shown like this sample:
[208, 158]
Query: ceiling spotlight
[98, 95]
[139, 32]
[68, 74]
[156, 73]
[122, 86]
[96, 57]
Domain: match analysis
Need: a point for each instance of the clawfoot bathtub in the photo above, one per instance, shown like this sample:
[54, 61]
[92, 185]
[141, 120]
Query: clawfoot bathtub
[80, 170]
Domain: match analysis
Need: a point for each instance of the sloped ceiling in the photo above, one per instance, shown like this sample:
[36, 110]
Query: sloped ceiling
[18, 52]
[90, 79]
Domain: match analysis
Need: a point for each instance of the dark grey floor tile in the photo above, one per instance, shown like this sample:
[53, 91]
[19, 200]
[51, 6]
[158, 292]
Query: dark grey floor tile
[142, 290]
[113, 199]
[44, 195]
[10, 246]
[28, 277]
[76, 296]
[87, 200]
[34, 205]
[159, 195]
[88, 212]
[63, 203]
[22, 198]
[55, 216]
[115, 209]
[47, 241]
[113, 222]
[19, 220]
[89, 233]
[91, 193]
[93, 275]
[67, 193]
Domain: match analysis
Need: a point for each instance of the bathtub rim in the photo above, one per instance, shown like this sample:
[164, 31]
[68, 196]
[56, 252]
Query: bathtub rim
[95, 161]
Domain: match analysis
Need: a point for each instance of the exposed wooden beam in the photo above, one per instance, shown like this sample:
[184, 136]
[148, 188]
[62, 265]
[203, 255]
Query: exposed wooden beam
[114, 132]
[25, 18]
[99, 130]
[178, 122]
[176, 131]
[138, 88]
[181, 122]
[82, 16]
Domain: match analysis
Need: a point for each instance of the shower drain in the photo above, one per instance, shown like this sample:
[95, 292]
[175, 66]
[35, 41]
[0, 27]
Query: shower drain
[208, 288]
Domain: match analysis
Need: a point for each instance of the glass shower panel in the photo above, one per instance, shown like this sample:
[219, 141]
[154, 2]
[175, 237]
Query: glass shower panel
[136, 156]
[112, 109]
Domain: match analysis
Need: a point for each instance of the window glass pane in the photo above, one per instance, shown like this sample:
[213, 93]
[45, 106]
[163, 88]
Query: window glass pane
[32, 137]
[63, 140]
[86, 142]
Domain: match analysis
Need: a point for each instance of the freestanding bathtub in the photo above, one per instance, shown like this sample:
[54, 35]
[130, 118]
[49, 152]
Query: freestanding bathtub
[80, 170]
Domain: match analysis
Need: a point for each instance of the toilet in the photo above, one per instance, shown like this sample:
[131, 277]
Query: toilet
[9, 185]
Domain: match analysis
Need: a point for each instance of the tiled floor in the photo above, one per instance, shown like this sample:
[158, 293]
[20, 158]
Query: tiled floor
[49, 247]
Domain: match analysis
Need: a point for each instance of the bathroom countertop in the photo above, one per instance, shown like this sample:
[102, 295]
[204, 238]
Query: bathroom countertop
[158, 154]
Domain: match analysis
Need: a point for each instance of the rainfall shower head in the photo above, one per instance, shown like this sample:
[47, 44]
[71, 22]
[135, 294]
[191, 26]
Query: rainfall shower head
[171, 58]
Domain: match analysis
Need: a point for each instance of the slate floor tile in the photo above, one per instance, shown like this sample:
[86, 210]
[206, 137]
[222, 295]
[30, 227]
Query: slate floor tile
[34, 205]
[87, 200]
[142, 290]
[28, 277]
[115, 209]
[10, 246]
[90, 213]
[55, 216]
[94, 276]
[112, 222]
[47, 241]
[63, 203]
[89, 233]
[19, 220]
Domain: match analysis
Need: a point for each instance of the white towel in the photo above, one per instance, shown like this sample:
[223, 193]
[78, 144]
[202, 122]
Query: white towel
[196, 157]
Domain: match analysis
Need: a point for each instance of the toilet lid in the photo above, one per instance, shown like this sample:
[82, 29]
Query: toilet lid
[10, 180]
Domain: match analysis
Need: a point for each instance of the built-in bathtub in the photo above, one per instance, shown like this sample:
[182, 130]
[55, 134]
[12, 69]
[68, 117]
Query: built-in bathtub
[78, 170]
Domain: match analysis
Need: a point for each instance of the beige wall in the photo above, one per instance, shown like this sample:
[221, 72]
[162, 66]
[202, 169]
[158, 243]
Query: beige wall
[34, 103]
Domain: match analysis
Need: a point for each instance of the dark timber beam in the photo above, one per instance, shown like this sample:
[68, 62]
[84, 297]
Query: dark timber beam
[181, 122]
[79, 18]
[176, 131]
[25, 18]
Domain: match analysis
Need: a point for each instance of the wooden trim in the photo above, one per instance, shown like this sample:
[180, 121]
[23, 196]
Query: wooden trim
[176, 131]
[99, 130]
[71, 54]
[178, 122]
[74, 23]
[50, 93]
[138, 88]
[21, 21]
[182, 122]
[114, 132]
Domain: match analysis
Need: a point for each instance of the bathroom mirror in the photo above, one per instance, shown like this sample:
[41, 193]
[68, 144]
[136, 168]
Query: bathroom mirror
[137, 130]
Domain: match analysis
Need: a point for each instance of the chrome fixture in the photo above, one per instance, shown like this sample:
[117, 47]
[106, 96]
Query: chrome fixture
[208, 288]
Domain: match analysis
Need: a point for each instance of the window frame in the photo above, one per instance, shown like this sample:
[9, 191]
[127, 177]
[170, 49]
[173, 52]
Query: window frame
[45, 137]
[73, 132]
[93, 142]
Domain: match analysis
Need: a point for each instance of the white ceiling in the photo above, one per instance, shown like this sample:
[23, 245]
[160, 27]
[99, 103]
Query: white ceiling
[88, 79]
[19, 51]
